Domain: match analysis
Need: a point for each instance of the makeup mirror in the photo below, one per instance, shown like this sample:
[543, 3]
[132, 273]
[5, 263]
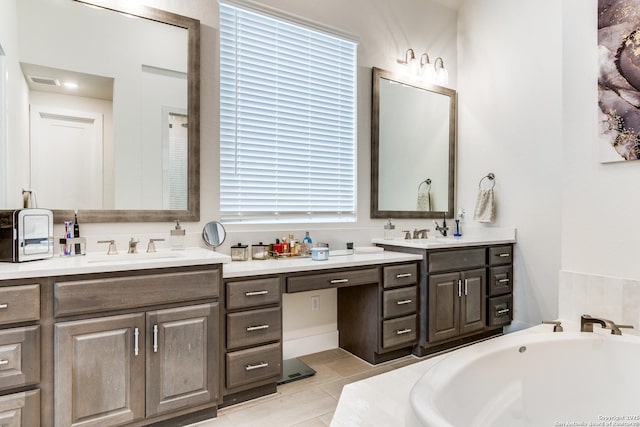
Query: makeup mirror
[213, 234]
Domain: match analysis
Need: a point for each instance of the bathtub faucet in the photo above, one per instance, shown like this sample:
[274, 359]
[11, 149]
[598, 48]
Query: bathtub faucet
[586, 324]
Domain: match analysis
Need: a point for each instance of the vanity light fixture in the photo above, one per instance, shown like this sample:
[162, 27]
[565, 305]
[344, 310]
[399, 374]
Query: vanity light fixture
[442, 75]
[427, 70]
[70, 85]
[411, 62]
[424, 69]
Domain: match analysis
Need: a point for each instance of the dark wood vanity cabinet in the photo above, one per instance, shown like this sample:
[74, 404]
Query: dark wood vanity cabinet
[377, 321]
[253, 337]
[20, 355]
[465, 294]
[150, 363]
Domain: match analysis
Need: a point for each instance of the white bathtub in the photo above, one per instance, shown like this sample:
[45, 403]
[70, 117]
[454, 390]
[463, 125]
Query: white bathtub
[541, 379]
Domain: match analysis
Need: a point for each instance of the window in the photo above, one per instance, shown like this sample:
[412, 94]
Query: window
[287, 121]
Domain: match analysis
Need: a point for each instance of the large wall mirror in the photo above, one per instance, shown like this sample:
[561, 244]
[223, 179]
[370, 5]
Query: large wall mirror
[113, 94]
[413, 147]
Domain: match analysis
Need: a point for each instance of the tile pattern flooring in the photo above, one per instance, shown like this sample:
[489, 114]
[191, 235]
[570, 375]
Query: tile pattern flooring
[309, 402]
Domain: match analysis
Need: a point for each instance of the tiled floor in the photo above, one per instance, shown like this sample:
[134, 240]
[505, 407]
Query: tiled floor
[310, 402]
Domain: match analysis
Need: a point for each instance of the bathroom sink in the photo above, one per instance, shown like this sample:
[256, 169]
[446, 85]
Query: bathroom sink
[127, 257]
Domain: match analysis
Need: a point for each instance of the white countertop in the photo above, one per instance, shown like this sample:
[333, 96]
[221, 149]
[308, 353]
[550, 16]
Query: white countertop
[100, 263]
[488, 236]
[288, 265]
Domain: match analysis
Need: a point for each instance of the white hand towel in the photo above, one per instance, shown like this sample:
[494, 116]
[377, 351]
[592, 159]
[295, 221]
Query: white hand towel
[424, 200]
[485, 206]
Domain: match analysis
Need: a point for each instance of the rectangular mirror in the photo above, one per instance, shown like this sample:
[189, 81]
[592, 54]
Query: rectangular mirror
[113, 98]
[413, 146]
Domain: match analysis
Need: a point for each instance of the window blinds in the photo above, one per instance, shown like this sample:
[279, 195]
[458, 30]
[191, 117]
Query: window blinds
[287, 121]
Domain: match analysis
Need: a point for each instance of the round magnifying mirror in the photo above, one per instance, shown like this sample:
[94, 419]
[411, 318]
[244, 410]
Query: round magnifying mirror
[213, 234]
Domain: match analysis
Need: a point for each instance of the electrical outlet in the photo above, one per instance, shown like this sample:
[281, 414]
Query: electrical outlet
[315, 303]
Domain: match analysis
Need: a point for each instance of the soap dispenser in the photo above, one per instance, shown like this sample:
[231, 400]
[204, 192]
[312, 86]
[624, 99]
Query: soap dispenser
[177, 237]
[389, 228]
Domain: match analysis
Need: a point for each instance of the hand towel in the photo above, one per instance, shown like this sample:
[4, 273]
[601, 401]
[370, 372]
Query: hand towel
[485, 206]
[424, 199]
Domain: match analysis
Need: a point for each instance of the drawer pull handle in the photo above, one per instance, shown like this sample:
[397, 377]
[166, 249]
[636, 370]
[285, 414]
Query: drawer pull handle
[336, 281]
[4, 362]
[4, 305]
[155, 338]
[403, 331]
[503, 311]
[404, 301]
[257, 328]
[504, 255]
[402, 276]
[256, 366]
[136, 348]
[503, 281]
[255, 293]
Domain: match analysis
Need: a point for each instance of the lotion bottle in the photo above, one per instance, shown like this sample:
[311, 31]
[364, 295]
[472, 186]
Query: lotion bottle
[177, 237]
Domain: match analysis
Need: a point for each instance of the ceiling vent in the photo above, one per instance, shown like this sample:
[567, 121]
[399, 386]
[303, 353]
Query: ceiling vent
[45, 81]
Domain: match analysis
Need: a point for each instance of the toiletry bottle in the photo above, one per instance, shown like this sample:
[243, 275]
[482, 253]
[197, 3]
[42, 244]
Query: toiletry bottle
[389, 230]
[285, 246]
[307, 244]
[177, 237]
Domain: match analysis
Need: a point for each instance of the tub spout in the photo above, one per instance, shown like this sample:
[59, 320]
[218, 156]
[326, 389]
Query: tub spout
[586, 324]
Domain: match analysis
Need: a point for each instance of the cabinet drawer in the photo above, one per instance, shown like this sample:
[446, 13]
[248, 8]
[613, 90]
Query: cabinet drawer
[399, 331]
[332, 280]
[399, 302]
[400, 275]
[116, 293]
[253, 327]
[456, 260]
[499, 255]
[254, 365]
[19, 357]
[19, 303]
[500, 310]
[500, 280]
[252, 293]
[20, 409]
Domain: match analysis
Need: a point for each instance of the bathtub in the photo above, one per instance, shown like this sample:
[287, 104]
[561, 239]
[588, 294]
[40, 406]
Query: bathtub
[533, 379]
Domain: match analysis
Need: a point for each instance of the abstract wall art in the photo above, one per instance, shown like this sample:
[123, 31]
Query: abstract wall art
[619, 79]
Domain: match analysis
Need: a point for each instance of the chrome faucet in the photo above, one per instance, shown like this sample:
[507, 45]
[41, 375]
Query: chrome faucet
[133, 246]
[586, 324]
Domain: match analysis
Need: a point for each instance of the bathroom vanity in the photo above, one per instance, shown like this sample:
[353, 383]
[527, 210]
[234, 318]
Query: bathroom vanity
[465, 289]
[377, 312]
[111, 341]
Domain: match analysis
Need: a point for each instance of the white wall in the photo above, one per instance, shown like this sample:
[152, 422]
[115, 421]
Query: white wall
[510, 123]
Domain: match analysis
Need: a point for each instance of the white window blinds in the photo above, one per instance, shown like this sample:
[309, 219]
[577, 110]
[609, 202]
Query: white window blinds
[287, 121]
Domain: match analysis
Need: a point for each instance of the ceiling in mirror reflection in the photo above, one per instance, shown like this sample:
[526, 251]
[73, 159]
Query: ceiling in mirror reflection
[141, 68]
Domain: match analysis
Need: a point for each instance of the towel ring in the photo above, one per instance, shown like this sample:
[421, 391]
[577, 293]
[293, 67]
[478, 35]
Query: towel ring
[491, 177]
[426, 181]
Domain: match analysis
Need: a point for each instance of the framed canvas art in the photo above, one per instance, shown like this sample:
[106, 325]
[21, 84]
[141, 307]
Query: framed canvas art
[619, 79]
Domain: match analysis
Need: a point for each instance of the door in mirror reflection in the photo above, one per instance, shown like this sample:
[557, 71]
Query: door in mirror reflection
[67, 158]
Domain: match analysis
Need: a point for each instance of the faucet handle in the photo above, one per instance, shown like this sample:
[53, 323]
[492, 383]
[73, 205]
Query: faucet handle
[557, 327]
[133, 246]
[112, 246]
[151, 247]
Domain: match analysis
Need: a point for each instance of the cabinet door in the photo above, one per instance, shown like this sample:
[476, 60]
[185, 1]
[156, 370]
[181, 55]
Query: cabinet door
[182, 369]
[472, 302]
[444, 306]
[99, 371]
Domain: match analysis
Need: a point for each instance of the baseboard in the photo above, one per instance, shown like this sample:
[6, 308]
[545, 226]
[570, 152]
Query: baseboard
[307, 345]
